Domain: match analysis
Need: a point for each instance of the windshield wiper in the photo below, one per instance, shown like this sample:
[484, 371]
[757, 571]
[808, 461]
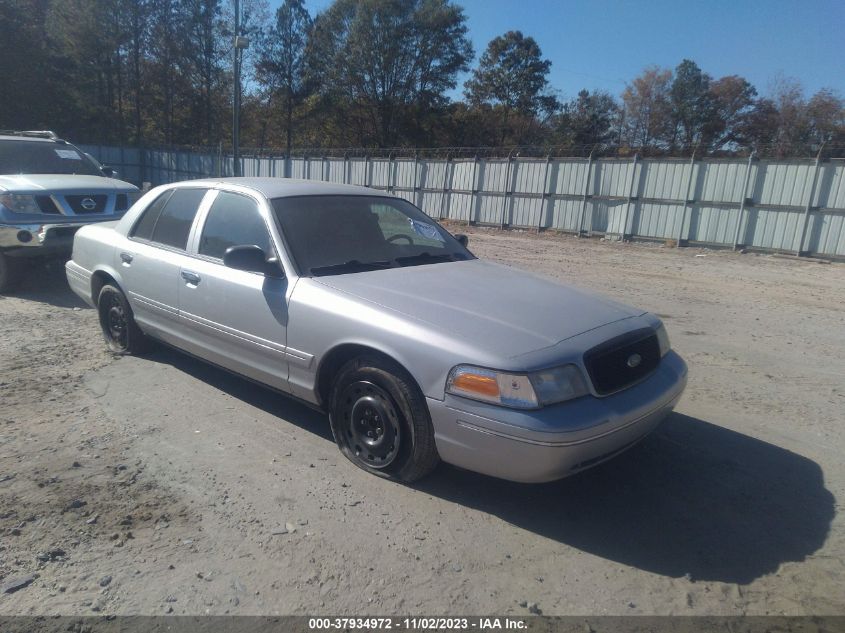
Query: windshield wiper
[423, 258]
[352, 266]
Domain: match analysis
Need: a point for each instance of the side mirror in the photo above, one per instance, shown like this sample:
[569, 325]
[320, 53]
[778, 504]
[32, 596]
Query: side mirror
[462, 239]
[253, 259]
[109, 172]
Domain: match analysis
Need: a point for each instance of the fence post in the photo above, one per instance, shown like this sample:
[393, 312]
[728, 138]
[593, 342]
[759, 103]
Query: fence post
[473, 189]
[631, 197]
[806, 221]
[586, 195]
[508, 190]
[741, 211]
[687, 199]
[446, 185]
[142, 157]
[391, 173]
[368, 173]
[416, 180]
[546, 191]
[346, 175]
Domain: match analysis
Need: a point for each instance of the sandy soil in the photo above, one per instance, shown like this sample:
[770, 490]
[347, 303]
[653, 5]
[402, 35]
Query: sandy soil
[160, 485]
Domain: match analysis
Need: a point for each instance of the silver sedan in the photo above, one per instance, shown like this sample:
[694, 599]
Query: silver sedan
[356, 302]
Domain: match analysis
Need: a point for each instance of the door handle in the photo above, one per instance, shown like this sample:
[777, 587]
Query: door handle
[127, 257]
[191, 277]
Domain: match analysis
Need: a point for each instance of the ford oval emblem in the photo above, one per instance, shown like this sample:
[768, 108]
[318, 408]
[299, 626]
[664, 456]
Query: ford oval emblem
[634, 360]
[88, 204]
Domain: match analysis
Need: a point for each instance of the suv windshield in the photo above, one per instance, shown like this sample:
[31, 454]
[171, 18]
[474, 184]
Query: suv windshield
[332, 235]
[40, 157]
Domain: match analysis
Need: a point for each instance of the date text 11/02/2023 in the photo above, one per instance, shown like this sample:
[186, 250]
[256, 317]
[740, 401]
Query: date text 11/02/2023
[418, 623]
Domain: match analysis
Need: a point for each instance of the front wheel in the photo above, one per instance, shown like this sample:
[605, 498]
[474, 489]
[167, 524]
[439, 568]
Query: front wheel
[122, 334]
[380, 420]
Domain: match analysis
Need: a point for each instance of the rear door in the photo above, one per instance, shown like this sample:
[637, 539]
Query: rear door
[233, 318]
[153, 258]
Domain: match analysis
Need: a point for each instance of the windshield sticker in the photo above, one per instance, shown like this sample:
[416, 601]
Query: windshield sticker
[426, 230]
[68, 153]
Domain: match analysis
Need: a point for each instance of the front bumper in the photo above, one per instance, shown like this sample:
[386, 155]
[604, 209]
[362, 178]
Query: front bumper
[37, 239]
[556, 441]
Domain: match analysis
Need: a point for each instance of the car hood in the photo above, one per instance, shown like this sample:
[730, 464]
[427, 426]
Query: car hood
[506, 311]
[33, 183]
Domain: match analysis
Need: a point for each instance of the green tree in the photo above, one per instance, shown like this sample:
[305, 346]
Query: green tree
[826, 114]
[589, 119]
[512, 78]
[281, 64]
[692, 104]
[382, 58]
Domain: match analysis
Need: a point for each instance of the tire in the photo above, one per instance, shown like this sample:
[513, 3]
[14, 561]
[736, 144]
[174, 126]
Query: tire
[380, 420]
[10, 273]
[122, 334]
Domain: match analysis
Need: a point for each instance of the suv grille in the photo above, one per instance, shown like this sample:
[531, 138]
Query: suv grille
[46, 204]
[610, 364]
[77, 203]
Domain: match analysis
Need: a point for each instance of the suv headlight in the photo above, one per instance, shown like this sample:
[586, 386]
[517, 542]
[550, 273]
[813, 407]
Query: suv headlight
[19, 203]
[663, 340]
[519, 391]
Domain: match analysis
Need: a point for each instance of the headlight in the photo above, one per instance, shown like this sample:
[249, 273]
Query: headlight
[19, 203]
[519, 391]
[663, 340]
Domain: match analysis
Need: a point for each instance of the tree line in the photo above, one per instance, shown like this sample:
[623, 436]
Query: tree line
[365, 74]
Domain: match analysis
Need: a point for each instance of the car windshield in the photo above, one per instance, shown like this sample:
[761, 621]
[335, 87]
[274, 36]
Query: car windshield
[39, 157]
[332, 235]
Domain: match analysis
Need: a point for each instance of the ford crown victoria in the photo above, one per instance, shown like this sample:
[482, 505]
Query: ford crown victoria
[356, 302]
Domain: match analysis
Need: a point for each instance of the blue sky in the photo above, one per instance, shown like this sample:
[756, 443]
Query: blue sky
[601, 44]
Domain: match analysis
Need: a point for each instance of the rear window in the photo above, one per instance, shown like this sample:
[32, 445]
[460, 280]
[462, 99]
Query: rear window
[144, 227]
[169, 218]
[39, 157]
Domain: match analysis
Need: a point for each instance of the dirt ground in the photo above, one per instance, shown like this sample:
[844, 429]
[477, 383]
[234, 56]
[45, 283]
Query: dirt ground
[160, 485]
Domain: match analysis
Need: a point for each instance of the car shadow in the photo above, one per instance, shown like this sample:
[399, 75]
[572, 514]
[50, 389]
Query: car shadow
[254, 394]
[44, 281]
[693, 499]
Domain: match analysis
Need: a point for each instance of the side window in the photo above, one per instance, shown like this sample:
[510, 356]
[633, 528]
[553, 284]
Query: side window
[143, 228]
[174, 222]
[233, 220]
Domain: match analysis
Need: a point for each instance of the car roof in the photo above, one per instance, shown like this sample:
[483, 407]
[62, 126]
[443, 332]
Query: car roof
[286, 187]
[34, 139]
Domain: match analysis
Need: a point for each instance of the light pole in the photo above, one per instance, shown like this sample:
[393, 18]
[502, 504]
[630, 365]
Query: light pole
[240, 44]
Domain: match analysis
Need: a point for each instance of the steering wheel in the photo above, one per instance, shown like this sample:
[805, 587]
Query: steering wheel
[401, 236]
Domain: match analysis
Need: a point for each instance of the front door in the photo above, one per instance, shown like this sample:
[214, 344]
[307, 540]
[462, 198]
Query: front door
[233, 318]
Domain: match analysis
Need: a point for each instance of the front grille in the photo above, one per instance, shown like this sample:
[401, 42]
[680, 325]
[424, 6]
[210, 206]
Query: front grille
[76, 203]
[609, 364]
[46, 205]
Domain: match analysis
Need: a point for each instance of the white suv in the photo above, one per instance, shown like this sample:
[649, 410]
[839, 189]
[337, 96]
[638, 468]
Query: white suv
[48, 189]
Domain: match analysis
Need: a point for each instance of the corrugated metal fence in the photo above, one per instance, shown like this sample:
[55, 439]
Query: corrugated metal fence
[785, 205]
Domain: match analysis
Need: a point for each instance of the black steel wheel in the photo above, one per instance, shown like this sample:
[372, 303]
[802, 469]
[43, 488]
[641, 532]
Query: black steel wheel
[122, 334]
[380, 420]
[370, 424]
